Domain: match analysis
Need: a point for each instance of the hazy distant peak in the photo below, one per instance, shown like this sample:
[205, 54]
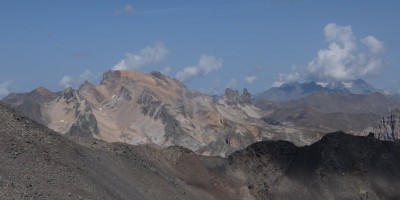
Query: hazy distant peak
[294, 90]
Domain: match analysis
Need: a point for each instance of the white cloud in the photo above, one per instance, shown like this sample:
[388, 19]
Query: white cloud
[151, 55]
[66, 82]
[87, 75]
[127, 9]
[374, 45]
[342, 60]
[278, 83]
[250, 79]
[215, 87]
[232, 84]
[5, 88]
[166, 70]
[205, 65]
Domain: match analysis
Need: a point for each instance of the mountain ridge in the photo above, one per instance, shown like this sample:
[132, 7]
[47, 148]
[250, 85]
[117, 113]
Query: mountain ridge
[39, 163]
[137, 108]
[295, 90]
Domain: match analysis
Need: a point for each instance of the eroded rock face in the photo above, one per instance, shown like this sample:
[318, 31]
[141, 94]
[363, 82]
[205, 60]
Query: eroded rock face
[85, 124]
[233, 97]
[246, 96]
[71, 114]
[389, 126]
[148, 103]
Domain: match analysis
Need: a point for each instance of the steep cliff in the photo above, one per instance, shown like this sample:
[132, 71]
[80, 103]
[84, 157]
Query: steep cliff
[389, 126]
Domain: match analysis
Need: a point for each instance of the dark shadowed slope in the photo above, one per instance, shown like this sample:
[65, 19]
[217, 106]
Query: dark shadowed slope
[340, 166]
[37, 163]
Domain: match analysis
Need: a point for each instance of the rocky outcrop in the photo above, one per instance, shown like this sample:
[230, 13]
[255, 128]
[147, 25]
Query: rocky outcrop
[246, 96]
[233, 97]
[85, 124]
[125, 94]
[111, 78]
[389, 126]
[148, 103]
[69, 96]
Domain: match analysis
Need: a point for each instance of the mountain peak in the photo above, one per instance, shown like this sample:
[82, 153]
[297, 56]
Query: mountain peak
[296, 90]
[42, 90]
[233, 97]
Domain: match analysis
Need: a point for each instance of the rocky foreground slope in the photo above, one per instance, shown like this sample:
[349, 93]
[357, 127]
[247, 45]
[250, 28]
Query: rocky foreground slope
[37, 163]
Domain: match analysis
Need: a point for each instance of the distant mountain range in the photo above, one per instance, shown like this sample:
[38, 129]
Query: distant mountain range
[331, 111]
[137, 108]
[353, 106]
[296, 90]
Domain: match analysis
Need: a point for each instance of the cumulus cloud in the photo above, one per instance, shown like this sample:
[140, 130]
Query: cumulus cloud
[374, 45]
[232, 84]
[166, 70]
[68, 81]
[127, 10]
[215, 87]
[88, 75]
[151, 55]
[206, 64]
[344, 59]
[250, 79]
[5, 88]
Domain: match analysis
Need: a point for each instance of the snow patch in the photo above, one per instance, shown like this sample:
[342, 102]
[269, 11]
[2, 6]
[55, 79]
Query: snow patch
[323, 84]
[347, 85]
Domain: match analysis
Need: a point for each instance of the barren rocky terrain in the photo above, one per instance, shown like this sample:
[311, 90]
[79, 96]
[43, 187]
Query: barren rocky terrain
[37, 163]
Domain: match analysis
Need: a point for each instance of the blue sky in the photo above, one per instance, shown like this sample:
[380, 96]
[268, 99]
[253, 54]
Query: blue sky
[209, 45]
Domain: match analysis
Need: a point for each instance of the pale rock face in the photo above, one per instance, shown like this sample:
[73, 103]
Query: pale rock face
[70, 114]
[389, 126]
[137, 108]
